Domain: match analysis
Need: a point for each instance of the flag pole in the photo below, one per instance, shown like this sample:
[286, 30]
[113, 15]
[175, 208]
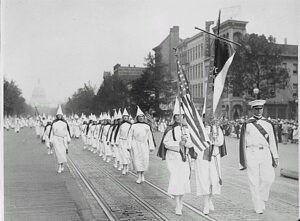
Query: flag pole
[218, 37]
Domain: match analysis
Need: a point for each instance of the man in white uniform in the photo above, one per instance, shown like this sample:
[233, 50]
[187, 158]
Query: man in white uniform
[258, 154]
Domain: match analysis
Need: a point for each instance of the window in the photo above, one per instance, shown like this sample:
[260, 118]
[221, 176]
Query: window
[295, 68]
[198, 46]
[202, 50]
[284, 65]
[196, 70]
[201, 70]
[295, 88]
[201, 90]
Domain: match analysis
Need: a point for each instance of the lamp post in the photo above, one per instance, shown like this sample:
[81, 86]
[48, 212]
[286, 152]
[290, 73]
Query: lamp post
[256, 92]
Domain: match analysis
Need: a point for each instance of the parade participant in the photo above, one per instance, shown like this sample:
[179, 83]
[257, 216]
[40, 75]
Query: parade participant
[46, 136]
[208, 166]
[112, 138]
[37, 126]
[83, 129]
[88, 138]
[60, 137]
[76, 126]
[258, 154]
[90, 132]
[42, 126]
[141, 141]
[105, 140]
[17, 125]
[174, 148]
[100, 143]
[122, 143]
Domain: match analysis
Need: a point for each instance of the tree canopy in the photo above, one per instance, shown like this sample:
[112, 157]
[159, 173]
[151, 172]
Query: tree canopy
[14, 102]
[257, 64]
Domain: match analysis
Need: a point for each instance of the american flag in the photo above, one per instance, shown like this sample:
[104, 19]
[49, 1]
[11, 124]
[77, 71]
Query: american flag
[195, 124]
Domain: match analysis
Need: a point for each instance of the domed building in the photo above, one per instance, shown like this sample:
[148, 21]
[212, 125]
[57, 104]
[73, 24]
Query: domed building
[39, 97]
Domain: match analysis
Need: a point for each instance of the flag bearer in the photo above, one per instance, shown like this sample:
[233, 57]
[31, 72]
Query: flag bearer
[258, 154]
[141, 141]
[208, 166]
[60, 137]
[174, 147]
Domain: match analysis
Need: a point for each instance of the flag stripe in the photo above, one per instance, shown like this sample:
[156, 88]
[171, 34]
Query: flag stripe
[194, 122]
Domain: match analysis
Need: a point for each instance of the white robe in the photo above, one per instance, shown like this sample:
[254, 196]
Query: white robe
[122, 142]
[60, 137]
[207, 178]
[141, 141]
[179, 182]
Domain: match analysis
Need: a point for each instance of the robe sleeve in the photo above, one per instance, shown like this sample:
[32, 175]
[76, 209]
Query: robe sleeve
[170, 143]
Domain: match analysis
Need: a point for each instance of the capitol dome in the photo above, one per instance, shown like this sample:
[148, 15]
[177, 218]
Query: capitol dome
[39, 97]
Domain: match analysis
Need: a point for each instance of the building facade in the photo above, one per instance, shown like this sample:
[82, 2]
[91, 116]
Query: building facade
[128, 73]
[195, 55]
[165, 54]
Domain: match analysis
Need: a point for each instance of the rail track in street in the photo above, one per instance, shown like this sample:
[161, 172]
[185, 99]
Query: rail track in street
[150, 208]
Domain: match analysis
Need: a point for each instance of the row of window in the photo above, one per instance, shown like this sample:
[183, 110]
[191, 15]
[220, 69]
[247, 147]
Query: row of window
[195, 53]
[197, 90]
[295, 67]
[195, 71]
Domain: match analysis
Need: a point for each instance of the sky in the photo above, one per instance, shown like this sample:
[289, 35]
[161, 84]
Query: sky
[66, 43]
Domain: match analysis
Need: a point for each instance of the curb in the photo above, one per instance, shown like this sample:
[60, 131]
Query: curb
[289, 174]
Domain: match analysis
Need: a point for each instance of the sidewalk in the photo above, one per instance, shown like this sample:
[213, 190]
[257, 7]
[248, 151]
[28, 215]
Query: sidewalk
[288, 160]
[33, 190]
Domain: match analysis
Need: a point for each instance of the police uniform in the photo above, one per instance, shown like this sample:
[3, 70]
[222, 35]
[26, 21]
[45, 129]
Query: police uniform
[258, 149]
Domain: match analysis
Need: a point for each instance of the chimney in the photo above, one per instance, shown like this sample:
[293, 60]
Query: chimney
[285, 41]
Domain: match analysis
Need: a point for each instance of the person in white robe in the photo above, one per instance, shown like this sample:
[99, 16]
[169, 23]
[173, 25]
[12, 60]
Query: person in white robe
[105, 140]
[208, 167]
[175, 148]
[122, 143]
[60, 137]
[141, 142]
[46, 136]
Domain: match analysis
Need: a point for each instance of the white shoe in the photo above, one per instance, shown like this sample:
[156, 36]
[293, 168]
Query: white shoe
[178, 211]
[206, 210]
[115, 165]
[108, 160]
[143, 179]
[49, 152]
[120, 167]
[138, 181]
[124, 172]
[100, 154]
[59, 170]
[62, 168]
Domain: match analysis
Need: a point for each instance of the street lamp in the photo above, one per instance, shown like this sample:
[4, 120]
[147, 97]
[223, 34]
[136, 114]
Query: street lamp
[256, 92]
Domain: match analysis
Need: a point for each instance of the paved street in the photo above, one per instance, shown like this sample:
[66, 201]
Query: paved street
[33, 190]
[64, 196]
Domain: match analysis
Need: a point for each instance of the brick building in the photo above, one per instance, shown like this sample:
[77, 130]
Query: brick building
[194, 54]
[128, 73]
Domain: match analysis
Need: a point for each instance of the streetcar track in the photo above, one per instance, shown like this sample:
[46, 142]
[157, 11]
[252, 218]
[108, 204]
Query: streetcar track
[102, 203]
[157, 214]
[194, 209]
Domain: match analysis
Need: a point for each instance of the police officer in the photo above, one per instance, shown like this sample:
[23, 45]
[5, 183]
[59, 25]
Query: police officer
[259, 154]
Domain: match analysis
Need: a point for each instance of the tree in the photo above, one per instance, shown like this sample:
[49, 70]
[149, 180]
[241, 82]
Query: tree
[112, 94]
[153, 88]
[14, 102]
[257, 63]
[81, 101]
